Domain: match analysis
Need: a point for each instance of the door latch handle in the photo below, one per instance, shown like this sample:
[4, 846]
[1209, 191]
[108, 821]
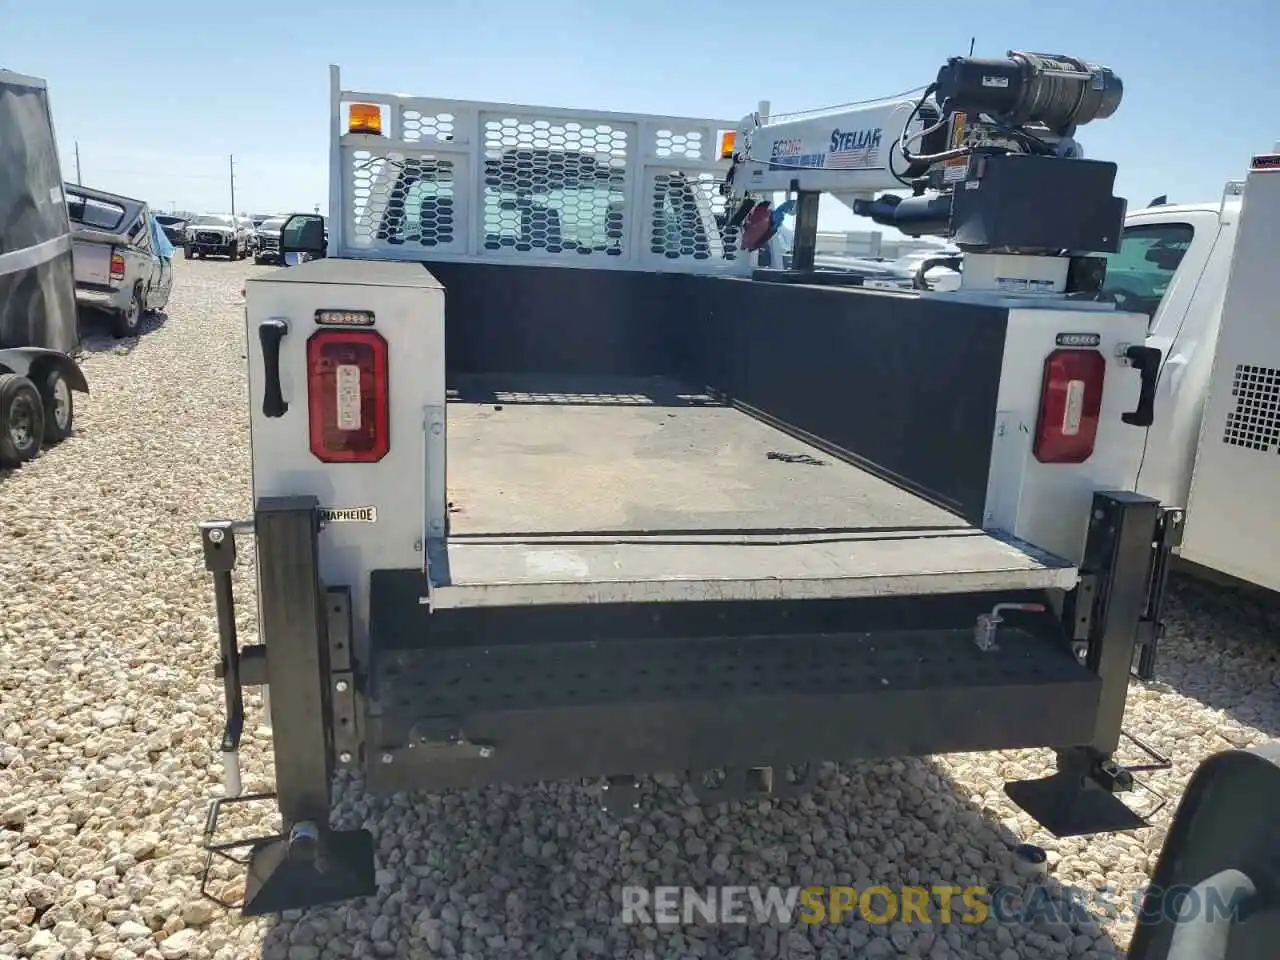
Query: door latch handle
[1146, 360]
[270, 333]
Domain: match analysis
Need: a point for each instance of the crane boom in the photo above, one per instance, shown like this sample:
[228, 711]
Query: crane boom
[981, 152]
[847, 153]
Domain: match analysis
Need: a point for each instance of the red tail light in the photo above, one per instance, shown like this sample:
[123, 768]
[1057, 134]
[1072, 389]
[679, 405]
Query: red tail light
[117, 267]
[1070, 404]
[347, 396]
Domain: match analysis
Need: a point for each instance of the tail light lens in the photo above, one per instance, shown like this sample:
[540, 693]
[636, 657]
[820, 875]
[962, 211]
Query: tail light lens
[1070, 405]
[117, 267]
[347, 396]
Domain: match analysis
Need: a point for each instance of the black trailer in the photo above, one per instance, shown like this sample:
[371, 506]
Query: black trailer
[38, 323]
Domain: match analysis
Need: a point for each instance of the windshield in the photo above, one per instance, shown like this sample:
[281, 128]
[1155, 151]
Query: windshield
[212, 220]
[92, 212]
[1140, 272]
[275, 225]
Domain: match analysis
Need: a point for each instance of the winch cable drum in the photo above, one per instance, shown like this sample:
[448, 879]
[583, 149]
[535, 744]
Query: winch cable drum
[1057, 91]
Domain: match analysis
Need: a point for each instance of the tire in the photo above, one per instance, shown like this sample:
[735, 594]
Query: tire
[234, 252]
[128, 323]
[258, 261]
[21, 420]
[59, 407]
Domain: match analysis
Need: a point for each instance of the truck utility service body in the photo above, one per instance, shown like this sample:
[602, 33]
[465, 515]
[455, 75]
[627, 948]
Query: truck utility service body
[549, 482]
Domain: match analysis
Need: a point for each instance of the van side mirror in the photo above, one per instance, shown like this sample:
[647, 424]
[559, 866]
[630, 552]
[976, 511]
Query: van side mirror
[302, 238]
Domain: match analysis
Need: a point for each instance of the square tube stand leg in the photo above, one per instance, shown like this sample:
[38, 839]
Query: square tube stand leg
[311, 863]
[1080, 798]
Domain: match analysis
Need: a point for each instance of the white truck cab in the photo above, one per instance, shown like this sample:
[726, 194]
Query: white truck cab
[1204, 273]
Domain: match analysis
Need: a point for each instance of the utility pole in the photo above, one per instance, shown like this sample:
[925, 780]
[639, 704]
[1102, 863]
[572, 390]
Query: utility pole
[232, 159]
[78, 183]
[972, 41]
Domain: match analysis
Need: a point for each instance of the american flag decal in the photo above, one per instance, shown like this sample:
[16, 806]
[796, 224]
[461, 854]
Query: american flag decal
[853, 159]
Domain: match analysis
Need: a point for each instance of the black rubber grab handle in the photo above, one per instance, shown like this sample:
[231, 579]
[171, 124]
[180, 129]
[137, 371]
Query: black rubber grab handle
[270, 333]
[1146, 360]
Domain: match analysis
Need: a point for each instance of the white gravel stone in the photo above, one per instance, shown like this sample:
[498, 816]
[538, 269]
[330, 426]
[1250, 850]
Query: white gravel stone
[110, 714]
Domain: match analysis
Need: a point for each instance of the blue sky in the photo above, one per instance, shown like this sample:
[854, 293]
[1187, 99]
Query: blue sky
[249, 77]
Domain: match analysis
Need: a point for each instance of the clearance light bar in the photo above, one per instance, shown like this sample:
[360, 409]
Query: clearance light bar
[344, 318]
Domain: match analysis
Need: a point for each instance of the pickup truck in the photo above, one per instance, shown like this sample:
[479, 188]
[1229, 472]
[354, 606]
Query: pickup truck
[550, 481]
[221, 235]
[123, 260]
[268, 244]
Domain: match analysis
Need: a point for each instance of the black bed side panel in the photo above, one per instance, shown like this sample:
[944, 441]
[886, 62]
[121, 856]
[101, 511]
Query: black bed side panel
[515, 319]
[904, 386]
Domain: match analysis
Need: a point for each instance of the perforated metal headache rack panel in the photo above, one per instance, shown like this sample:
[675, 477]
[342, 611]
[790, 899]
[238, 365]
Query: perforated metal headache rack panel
[462, 179]
[1255, 421]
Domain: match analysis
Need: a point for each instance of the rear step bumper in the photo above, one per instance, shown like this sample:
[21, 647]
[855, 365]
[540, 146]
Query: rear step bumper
[481, 695]
[518, 712]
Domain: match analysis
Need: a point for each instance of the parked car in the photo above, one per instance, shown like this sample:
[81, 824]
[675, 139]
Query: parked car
[251, 232]
[174, 227]
[269, 240]
[123, 260]
[219, 235]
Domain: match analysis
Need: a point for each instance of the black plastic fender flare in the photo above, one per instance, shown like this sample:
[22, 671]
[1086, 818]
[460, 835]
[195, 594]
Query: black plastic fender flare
[25, 361]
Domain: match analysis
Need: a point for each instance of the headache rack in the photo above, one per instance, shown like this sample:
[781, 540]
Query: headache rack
[465, 180]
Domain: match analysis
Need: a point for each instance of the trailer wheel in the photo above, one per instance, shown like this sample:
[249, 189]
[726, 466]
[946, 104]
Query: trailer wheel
[128, 321]
[59, 408]
[21, 420]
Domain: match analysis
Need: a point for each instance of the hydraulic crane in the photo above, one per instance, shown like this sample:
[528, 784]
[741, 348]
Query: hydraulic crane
[980, 152]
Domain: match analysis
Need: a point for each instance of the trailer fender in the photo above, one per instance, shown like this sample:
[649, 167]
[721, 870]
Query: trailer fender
[31, 362]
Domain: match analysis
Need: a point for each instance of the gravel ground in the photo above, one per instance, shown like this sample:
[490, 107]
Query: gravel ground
[109, 716]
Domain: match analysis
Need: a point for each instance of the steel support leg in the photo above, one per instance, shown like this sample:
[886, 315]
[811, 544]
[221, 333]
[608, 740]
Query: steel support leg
[805, 238]
[310, 863]
[1080, 798]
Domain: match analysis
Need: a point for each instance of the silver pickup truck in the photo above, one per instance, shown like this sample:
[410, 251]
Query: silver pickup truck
[123, 261]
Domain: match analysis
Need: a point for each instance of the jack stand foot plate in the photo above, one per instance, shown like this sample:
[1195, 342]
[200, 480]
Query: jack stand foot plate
[1069, 805]
[278, 882]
